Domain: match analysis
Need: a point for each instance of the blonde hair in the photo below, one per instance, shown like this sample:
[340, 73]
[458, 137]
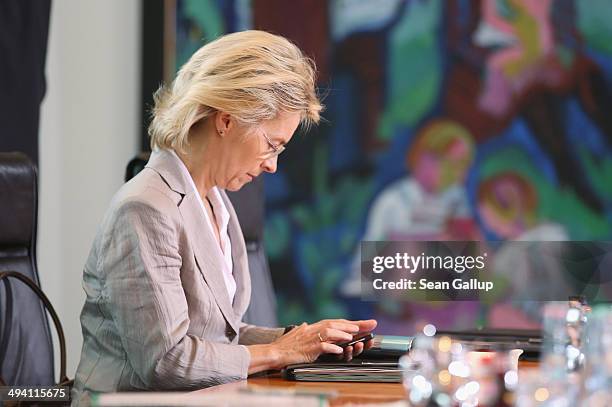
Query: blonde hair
[252, 75]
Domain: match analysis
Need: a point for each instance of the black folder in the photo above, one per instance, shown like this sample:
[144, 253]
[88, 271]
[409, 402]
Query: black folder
[378, 364]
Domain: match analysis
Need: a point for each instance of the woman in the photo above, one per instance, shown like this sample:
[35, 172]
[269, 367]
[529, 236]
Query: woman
[167, 280]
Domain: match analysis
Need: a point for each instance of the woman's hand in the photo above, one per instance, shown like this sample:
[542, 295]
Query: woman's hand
[305, 343]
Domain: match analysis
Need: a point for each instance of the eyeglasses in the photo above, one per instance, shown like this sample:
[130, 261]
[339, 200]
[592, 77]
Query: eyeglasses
[276, 149]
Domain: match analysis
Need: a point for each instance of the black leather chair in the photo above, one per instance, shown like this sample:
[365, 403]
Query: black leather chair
[249, 206]
[26, 347]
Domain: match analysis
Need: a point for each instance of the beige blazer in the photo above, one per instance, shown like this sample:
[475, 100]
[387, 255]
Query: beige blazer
[157, 313]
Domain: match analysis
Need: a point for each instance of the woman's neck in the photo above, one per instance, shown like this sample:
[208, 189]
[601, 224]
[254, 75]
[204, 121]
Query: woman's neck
[199, 162]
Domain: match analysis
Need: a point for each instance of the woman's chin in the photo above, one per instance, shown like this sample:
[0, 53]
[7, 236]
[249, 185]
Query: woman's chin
[237, 183]
[234, 187]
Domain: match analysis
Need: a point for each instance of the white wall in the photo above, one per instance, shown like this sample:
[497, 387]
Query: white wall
[89, 130]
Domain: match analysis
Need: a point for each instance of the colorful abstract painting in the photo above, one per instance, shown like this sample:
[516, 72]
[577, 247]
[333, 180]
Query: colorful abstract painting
[456, 119]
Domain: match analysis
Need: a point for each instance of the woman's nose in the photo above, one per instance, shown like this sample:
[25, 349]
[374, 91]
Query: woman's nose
[269, 165]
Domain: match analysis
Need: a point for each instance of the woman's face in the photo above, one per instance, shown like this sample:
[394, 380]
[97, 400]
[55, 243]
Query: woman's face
[246, 152]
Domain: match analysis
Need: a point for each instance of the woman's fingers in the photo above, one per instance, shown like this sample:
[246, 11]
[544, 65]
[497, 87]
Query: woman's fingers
[327, 347]
[344, 326]
[352, 351]
[348, 353]
[357, 348]
[335, 335]
[366, 325]
[339, 330]
[307, 342]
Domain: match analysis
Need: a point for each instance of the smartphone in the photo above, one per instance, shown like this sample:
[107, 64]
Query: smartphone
[363, 337]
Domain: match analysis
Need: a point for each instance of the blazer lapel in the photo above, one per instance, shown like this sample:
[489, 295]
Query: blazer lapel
[207, 257]
[200, 236]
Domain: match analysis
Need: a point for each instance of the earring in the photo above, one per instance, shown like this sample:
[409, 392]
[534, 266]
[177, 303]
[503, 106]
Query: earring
[220, 132]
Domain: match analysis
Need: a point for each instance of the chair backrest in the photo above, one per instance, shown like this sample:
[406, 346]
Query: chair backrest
[26, 347]
[249, 205]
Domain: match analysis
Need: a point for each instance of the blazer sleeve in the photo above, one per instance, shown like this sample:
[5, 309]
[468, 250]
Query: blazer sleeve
[253, 335]
[141, 264]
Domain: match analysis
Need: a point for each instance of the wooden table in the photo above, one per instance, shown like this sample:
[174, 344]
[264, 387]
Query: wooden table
[345, 393]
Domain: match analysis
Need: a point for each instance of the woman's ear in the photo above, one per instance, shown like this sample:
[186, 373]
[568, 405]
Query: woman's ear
[223, 123]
